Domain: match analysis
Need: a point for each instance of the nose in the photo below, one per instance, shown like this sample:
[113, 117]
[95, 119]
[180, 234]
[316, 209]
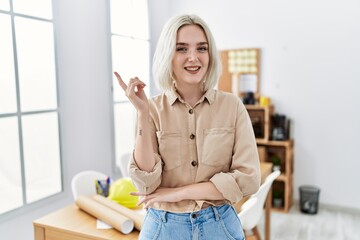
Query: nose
[192, 56]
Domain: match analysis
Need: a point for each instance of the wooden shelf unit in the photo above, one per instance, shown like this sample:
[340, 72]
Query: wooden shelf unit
[284, 150]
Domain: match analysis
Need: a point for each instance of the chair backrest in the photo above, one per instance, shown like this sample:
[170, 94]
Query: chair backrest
[246, 212]
[83, 183]
[255, 212]
[123, 164]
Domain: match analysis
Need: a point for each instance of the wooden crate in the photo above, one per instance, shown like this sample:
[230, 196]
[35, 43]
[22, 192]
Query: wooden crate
[261, 120]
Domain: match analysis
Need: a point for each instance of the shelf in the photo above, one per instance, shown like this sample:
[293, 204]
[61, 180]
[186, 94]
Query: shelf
[287, 143]
[282, 178]
[270, 150]
[258, 107]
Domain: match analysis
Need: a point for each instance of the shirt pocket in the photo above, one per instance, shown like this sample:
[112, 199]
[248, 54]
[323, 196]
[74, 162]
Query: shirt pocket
[169, 148]
[218, 146]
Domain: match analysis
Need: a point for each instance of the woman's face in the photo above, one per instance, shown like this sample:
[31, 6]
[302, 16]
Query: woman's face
[191, 59]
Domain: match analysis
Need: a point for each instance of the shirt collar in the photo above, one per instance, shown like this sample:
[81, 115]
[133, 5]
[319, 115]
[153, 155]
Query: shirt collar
[173, 95]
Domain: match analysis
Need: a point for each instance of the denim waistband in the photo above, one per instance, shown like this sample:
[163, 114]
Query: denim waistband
[198, 216]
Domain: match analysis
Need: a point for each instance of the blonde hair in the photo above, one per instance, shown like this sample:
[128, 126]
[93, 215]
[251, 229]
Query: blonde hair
[165, 50]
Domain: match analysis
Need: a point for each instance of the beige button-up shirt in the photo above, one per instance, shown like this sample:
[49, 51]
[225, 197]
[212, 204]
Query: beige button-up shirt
[214, 141]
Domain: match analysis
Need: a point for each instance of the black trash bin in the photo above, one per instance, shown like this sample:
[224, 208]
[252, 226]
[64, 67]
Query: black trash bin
[309, 199]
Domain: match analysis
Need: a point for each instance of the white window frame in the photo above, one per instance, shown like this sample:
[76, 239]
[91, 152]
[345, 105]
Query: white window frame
[26, 205]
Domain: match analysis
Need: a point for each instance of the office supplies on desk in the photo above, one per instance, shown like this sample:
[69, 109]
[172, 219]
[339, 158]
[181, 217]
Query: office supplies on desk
[102, 186]
[127, 212]
[105, 214]
[119, 192]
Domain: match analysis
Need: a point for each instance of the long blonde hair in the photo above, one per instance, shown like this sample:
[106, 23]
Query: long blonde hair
[165, 50]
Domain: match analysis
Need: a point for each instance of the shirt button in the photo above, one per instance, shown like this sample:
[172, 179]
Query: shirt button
[192, 136]
[194, 163]
[191, 111]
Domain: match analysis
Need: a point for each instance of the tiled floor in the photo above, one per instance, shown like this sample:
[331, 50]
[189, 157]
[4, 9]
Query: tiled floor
[327, 224]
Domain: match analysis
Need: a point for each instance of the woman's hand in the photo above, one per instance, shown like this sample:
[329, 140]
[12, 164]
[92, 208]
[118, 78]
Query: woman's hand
[160, 195]
[134, 91]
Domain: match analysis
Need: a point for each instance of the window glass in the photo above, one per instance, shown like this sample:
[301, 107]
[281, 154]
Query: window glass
[4, 5]
[141, 19]
[130, 59]
[36, 63]
[7, 75]
[36, 8]
[10, 170]
[130, 18]
[41, 155]
[30, 164]
[130, 48]
[120, 17]
[125, 119]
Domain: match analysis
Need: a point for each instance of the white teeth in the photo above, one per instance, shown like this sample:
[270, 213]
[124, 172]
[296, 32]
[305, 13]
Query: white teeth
[192, 68]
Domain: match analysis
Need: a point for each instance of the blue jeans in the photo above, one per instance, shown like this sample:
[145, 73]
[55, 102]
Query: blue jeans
[219, 222]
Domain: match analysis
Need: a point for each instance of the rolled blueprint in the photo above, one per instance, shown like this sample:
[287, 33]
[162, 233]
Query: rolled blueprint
[127, 212]
[105, 214]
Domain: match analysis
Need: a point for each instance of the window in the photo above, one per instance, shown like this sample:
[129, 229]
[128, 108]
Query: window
[30, 164]
[130, 48]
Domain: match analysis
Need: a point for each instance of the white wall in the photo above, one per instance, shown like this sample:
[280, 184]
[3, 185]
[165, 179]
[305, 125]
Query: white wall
[310, 51]
[310, 69]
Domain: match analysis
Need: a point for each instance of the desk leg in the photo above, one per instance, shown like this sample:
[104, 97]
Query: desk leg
[39, 233]
[267, 215]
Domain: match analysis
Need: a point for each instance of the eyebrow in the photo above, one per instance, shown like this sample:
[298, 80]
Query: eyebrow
[186, 44]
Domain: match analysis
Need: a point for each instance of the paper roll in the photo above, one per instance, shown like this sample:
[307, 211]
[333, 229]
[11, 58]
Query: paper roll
[127, 212]
[105, 214]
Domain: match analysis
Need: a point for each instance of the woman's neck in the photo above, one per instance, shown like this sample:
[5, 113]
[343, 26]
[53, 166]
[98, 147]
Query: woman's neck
[190, 94]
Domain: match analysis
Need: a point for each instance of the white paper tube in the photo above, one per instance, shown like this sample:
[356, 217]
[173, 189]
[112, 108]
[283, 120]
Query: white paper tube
[105, 214]
[127, 212]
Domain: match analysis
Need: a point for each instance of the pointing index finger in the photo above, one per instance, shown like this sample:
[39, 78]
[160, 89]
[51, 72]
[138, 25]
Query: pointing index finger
[121, 82]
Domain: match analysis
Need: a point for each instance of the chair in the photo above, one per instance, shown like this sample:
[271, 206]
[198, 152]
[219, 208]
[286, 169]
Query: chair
[83, 183]
[251, 211]
[245, 212]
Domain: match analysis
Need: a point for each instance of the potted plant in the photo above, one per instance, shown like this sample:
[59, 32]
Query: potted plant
[276, 163]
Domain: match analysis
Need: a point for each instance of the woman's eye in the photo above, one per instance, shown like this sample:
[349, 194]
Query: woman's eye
[181, 49]
[202, 49]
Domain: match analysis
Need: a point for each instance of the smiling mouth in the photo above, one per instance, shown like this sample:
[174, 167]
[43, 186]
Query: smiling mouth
[192, 69]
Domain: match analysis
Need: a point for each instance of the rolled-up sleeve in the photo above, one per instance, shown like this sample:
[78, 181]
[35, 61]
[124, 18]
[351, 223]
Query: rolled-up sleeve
[146, 182]
[244, 176]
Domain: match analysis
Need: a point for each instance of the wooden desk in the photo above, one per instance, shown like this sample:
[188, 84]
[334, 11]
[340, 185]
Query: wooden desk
[72, 223]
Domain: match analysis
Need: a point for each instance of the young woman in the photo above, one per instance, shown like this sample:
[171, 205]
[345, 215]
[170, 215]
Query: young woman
[195, 152]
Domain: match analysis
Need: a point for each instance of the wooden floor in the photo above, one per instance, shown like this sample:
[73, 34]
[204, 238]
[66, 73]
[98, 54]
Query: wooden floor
[327, 224]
